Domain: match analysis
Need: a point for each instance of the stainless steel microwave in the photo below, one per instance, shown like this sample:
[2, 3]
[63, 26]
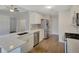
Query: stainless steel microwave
[77, 19]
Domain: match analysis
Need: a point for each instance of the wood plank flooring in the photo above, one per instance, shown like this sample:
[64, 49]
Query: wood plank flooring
[50, 45]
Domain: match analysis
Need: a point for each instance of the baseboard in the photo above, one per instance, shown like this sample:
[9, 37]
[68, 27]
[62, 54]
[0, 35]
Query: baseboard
[53, 34]
[61, 41]
[56, 35]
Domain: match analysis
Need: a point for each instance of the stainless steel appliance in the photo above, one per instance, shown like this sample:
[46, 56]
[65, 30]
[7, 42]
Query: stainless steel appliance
[36, 38]
[45, 26]
[72, 43]
[76, 19]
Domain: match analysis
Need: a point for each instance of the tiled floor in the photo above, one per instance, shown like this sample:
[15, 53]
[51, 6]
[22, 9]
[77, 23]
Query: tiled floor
[50, 45]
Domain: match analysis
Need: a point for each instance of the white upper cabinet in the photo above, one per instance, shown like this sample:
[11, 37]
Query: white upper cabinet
[35, 18]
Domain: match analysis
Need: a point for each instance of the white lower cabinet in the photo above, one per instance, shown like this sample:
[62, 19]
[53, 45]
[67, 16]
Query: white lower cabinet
[30, 42]
[16, 50]
[28, 38]
[41, 35]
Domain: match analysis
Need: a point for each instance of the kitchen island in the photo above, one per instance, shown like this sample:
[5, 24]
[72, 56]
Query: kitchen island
[19, 42]
[10, 44]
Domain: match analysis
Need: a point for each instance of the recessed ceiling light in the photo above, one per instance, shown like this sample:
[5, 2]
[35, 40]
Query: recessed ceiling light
[48, 7]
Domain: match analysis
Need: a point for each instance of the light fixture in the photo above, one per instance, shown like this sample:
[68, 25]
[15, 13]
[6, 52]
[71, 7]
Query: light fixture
[11, 10]
[48, 7]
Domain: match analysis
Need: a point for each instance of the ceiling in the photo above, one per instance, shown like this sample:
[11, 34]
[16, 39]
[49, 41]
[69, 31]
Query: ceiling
[42, 9]
[38, 8]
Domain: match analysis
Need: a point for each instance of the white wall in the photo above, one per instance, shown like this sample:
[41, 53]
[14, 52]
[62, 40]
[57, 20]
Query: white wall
[21, 25]
[23, 22]
[53, 25]
[13, 22]
[4, 24]
[66, 22]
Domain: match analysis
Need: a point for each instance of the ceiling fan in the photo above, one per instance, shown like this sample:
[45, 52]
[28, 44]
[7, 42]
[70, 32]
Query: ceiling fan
[13, 8]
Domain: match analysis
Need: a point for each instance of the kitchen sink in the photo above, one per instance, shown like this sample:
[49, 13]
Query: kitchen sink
[22, 33]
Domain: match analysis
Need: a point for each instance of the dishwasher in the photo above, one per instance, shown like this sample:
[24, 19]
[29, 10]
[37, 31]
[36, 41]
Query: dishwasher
[36, 38]
[72, 43]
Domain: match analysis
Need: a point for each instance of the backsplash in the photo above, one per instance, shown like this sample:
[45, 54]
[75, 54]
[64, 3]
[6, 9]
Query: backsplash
[35, 26]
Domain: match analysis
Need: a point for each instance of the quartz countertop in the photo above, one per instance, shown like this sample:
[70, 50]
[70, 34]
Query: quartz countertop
[10, 42]
[72, 35]
[35, 30]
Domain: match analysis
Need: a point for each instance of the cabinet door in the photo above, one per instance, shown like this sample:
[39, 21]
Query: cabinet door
[17, 50]
[35, 18]
[41, 35]
[38, 19]
[32, 18]
[24, 46]
[23, 37]
[30, 42]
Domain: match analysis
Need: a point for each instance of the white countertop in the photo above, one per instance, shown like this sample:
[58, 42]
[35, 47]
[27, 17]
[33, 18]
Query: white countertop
[35, 30]
[10, 42]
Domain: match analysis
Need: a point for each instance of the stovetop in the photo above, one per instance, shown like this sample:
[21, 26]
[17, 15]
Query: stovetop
[72, 35]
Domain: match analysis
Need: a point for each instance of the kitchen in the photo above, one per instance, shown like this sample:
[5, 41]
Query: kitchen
[37, 28]
[21, 29]
[27, 28]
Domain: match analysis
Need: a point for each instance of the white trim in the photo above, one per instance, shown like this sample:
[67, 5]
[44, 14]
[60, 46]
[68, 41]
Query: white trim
[61, 41]
[53, 33]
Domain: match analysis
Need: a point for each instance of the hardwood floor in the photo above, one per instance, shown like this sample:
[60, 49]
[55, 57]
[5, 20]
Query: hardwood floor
[50, 45]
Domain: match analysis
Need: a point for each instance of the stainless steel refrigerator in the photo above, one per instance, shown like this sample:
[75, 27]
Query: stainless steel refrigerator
[45, 26]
